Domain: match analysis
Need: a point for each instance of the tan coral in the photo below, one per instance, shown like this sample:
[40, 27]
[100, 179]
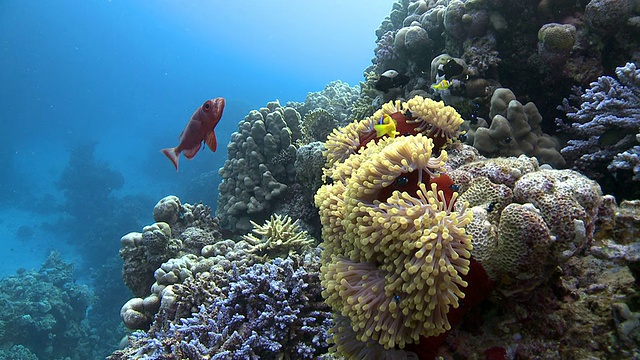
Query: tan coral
[279, 236]
[498, 170]
[493, 197]
[568, 202]
[522, 250]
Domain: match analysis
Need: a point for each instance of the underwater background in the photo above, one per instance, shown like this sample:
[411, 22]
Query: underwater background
[450, 179]
[92, 90]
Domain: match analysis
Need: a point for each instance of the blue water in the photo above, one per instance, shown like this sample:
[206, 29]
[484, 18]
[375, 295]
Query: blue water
[116, 81]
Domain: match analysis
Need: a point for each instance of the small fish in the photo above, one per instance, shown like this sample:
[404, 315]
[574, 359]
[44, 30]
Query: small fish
[391, 79]
[450, 69]
[443, 85]
[385, 126]
[199, 128]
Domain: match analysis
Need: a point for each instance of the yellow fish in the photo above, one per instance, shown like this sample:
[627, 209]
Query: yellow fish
[385, 126]
[443, 85]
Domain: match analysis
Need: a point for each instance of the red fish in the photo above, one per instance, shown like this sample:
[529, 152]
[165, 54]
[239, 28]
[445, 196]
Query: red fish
[199, 128]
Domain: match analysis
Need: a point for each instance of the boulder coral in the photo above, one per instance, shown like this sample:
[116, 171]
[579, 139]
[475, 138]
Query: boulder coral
[514, 129]
[555, 42]
[259, 167]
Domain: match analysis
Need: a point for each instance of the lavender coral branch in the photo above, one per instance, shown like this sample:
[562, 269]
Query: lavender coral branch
[273, 310]
[605, 124]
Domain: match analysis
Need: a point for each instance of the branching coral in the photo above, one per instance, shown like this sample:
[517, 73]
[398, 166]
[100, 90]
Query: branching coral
[279, 236]
[604, 126]
[271, 310]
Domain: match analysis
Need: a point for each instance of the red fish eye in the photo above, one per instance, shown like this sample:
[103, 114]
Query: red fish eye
[207, 105]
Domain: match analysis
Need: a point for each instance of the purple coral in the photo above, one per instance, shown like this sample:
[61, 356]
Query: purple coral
[384, 51]
[605, 125]
[273, 309]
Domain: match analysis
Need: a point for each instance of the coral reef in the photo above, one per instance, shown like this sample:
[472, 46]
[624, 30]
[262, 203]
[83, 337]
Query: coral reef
[43, 313]
[618, 233]
[538, 49]
[555, 42]
[221, 297]
[94, 213]
[364, 105]
[604, 130]
[166, 253]
[180, 229]
[97, 182]
[309, 164]
[316, 125]
[260, 166]
[336, 99]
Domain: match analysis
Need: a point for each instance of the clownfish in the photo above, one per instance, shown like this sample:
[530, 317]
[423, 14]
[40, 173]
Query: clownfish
[385, 126]
[443, 85]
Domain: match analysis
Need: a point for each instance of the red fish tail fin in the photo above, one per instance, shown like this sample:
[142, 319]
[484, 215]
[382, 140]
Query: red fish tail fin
[173, 154]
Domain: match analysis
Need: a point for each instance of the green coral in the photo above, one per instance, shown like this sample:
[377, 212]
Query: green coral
[557, 37]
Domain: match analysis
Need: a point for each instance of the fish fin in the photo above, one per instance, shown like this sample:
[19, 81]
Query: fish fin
[173, 154]
[211, 140]
[190, 153]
